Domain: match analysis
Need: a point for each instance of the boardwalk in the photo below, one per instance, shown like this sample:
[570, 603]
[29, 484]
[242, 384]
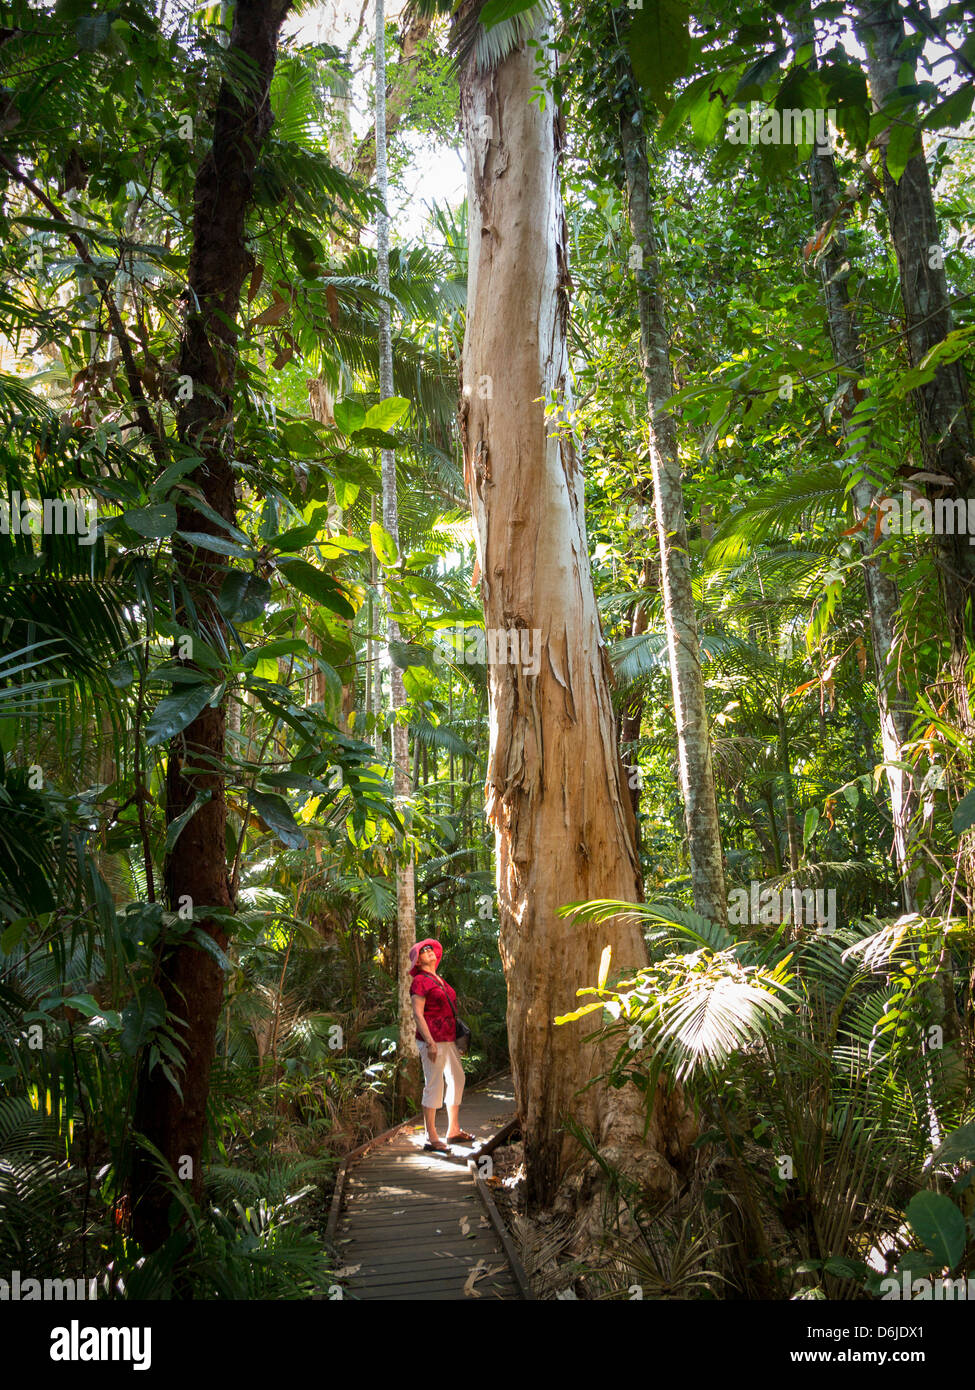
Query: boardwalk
[412, 1225]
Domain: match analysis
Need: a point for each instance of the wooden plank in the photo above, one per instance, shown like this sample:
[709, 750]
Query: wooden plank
[402, 1255]
[442, 1228]
[359, 1249]
[407, 1268]
[494, 1216]
[394, 1200]
[440, 1296]
[442, 1275]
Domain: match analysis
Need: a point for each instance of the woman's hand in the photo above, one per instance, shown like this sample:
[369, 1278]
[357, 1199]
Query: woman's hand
[432, 1051]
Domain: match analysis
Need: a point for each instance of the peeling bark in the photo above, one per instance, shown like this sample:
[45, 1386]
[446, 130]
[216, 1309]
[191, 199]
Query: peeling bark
[556, 791]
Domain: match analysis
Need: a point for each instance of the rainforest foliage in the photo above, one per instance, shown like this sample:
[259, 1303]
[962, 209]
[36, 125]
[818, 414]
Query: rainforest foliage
[197, 591]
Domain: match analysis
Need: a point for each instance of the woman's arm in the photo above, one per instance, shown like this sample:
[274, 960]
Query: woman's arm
[419, 1005]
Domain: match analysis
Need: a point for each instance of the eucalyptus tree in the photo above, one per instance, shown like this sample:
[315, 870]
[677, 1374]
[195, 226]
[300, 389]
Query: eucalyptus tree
[556, 791]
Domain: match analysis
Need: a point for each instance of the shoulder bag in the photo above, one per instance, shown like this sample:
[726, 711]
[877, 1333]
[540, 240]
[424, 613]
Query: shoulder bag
[463, 1038]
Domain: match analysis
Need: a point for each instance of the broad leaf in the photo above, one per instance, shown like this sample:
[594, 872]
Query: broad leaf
[385, 415]
[317, 585]
[176, 712]
[939, 1225]
[277, 815]
[243, 596]
[155, 523]
[349, 415]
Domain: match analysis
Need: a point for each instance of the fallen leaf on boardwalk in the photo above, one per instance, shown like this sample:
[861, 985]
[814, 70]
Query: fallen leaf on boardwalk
[465, 1226]
[346, 1271]
[475, 1274]
[479, 1272]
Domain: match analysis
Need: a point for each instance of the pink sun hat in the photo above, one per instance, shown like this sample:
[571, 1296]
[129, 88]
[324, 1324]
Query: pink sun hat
[417, 948]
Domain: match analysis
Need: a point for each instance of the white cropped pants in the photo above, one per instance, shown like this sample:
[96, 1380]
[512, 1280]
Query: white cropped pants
[447, 1063]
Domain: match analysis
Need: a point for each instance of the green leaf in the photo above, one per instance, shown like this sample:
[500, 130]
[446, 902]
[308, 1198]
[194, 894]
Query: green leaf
[203, 540]
[374, 439]
[175, 828]
[382, 543]
[755, 77]
[939, 1225]
[297, 537]
[953, 111]
[963, 817]
[13, 935]
[384, 415]
[809, 825]
[960, 1144]
[497, 11]
[122, 674]
[176, 712]
[695, 94]
[843, 1268]
[578, 1013]
[243, 596]
[277, 815]
[345, 492]
[301, 439]
[206, 943]
[349, 415]
[406, 654]
[317, 585]
[660, 45]
[174, 472]
[154, 522]
[905, 143]
[140, 1017]
[284, 646]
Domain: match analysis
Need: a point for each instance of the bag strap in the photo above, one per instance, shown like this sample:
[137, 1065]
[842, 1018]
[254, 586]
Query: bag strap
[443, 989]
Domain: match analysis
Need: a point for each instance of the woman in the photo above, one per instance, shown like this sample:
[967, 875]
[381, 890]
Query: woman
[434, 1003]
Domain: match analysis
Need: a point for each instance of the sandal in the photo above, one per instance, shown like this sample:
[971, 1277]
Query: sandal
[460, 1137]
[436, 1148]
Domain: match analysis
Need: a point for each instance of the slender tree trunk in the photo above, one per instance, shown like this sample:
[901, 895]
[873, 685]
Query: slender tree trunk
[189, 978]
[882, 599]
[408, 1076]
[556, 794]
[631, 719]
[943, 405]
[687, 681]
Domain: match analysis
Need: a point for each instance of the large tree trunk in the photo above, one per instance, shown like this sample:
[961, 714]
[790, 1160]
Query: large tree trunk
[687, 681]
[556, 794]
[943, 405]
[190, 979]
